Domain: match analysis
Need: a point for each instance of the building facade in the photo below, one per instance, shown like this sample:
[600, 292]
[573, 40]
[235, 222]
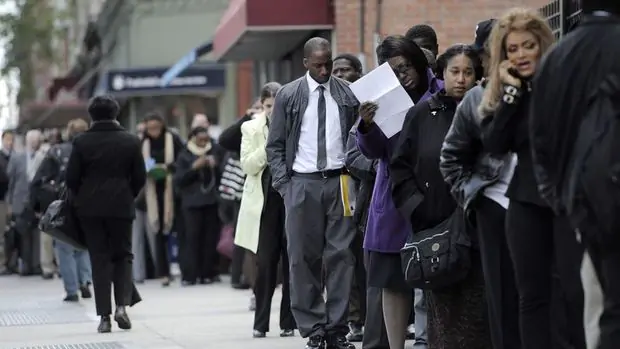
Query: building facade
[55, 101]
[267, 35]
[142, 39]
[454, 21]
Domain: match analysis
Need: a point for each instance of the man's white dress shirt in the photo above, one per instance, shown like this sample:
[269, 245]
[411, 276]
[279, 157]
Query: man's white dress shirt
[307, 150]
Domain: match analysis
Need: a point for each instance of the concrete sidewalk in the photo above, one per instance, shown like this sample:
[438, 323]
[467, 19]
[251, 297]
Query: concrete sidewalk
[33, 316]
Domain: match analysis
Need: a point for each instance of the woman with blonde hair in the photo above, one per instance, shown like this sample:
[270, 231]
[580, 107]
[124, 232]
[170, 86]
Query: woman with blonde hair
[537, 239]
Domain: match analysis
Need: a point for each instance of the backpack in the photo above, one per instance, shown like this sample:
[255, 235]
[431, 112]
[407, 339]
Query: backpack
[592, 190]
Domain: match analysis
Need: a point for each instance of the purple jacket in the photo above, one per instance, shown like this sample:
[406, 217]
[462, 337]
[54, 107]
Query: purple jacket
[386, 230]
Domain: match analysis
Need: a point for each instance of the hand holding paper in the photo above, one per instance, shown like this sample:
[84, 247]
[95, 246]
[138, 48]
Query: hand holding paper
[367, 111]
[382, 87]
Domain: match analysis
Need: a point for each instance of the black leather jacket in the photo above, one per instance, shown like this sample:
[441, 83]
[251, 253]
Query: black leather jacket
[464, 164]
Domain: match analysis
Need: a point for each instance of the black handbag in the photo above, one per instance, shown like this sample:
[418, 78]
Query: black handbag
[61, 222]
[438, 257]
[48, 192]
[52, 187]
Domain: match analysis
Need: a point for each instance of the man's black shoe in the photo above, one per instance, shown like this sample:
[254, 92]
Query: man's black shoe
[339, 342]
[315, 342]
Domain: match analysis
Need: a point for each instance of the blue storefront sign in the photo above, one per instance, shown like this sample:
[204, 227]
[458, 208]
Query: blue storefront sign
[147, 81]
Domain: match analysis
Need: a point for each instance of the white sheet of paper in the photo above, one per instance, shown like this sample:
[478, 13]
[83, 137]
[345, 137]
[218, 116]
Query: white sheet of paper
[382, 87]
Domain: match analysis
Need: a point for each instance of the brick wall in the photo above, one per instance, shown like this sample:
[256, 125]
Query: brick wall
[454, 20]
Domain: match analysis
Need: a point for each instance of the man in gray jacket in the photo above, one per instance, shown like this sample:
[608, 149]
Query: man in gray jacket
[21, 169]
[306, 154]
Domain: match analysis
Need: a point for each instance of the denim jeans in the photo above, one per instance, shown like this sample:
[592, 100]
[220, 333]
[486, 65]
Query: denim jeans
[74, 267]
[419, 306]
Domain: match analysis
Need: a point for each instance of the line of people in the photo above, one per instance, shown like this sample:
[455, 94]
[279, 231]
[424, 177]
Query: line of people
[323, 202]
[464, 151]
[193, 199]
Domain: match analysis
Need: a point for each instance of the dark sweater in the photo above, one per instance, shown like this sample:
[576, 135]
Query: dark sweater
[507, 130]
[198, 187]
[158, 153]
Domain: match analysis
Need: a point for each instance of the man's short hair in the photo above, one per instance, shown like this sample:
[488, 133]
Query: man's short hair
[316, 44]
[34, 135]
[103, 108]
[355, 62]
[422, 31]
[8, 133]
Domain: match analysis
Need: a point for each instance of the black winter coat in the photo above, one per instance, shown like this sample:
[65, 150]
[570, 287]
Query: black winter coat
[507, 130]
[415, 164]
[106, 171]
[198, 187]
[230, 139]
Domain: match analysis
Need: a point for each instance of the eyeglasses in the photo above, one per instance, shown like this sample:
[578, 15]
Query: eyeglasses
[402, 69]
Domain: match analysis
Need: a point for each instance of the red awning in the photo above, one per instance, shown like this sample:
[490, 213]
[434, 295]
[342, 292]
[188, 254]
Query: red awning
[51, 115]
[59, 83]
[268, 29]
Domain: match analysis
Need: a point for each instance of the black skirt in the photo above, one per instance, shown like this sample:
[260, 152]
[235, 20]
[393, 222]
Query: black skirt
[457, 315]
[384, 270]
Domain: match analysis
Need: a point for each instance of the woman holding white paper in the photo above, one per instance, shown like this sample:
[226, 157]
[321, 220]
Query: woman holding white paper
[387, 230]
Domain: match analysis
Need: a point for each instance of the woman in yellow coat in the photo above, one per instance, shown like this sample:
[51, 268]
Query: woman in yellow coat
[260, 227]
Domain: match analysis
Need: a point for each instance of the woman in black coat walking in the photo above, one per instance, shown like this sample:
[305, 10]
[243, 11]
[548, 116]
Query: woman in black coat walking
[105, 172]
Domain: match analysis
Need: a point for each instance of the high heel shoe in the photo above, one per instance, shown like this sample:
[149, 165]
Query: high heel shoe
[122, 319]
[105, 325]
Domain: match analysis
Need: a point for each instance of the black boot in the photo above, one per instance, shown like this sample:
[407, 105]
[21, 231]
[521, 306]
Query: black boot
[105, 325]
[122, 319]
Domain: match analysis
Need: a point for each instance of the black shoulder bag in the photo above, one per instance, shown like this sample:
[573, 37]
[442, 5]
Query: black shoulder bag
[438, 257]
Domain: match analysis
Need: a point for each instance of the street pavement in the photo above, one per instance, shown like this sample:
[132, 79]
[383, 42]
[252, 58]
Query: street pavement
[33, 316]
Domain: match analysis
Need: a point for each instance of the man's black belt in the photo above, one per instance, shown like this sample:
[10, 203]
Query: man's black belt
[322, 174]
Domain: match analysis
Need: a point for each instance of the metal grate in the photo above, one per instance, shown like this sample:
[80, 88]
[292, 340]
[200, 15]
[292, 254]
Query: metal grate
[41, 317]
[554, 14]
[101, 345]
